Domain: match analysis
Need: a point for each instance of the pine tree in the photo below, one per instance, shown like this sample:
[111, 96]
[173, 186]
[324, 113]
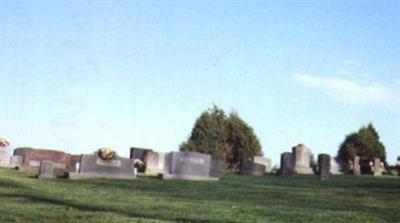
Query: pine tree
[227, 137]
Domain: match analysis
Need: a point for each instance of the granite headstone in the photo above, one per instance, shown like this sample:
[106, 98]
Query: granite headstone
[324, 166]
[32, 157]
[92, 166]
[356, 166]
[287, 167]
[217, 167]
[377, 167]
[264, 161]
[5, 153]
[335, 167]
[252, 168]
[154, 162]
[16, 161]
[188, 166]
[46, 169]
[302, 159]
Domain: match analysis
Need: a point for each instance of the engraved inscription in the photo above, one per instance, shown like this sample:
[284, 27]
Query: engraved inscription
[116, 163]
[191, 160]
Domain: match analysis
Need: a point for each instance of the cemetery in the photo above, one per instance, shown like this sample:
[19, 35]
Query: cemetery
[104, 187]
[199, 111]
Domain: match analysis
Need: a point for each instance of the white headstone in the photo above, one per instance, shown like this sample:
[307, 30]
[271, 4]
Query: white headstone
[5, 156]
[302, 157]
[263, 161]
[335, 167]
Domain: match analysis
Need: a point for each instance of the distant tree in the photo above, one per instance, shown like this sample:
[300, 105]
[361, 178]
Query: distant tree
[364, 143]
[209, 133]
[242, 142]
[228, 137]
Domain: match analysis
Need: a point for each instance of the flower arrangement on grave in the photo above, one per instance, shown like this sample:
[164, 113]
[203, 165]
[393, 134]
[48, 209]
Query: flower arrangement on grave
[139, 165]
[106, 154]
[4, 142]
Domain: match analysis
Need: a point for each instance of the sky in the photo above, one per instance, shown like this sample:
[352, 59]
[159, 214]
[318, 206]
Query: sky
[80, 75]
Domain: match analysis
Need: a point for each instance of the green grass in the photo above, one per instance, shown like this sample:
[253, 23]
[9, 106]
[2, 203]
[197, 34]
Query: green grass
[233, 199]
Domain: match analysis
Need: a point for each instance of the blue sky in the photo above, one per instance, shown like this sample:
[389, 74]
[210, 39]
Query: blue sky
[79, 75]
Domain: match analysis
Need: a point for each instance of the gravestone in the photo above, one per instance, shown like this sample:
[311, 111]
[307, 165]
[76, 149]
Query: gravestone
[16, 161]
[252, 168]
[46, 169]
[335, 167]
[356, 166]
[154, 162]
[5, 153]
[188, 166]
[398, 161]
[302, 160]
[32, 157]
[324, 166]
[377, 167]
[287, 167]
[217, 167]
[138, 153]
[92, 166]
[75, 162]
[263, 161]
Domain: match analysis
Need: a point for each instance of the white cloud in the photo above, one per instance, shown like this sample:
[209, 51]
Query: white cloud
[350, 91]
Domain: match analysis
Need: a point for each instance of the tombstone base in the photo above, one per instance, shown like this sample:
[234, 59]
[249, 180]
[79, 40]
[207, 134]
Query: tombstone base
[95, 175]
[46, 176]
[303, 170]
[188, 177]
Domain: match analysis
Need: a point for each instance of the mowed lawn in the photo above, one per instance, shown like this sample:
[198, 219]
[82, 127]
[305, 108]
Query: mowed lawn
[233, 199]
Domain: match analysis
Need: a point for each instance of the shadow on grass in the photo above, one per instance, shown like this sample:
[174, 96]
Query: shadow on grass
[89, 208]
[8, 183]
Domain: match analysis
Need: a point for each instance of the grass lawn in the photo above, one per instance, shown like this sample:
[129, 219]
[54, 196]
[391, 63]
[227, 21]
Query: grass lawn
[233, 199]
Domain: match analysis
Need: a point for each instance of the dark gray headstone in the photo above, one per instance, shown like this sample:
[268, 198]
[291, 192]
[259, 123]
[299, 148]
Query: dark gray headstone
[324, 166]
[189, 165]
[287, 164]
[252, 168]
[138, 153]
[217, 167]
[46, 169]
[93, 166]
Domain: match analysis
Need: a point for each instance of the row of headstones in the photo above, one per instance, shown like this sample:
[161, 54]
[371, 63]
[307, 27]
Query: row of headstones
[182, 165]
[377, 166]
[156, 163]
[289, 166]
[298, 162]
[191, 165]
[179, 165]
[176, 165]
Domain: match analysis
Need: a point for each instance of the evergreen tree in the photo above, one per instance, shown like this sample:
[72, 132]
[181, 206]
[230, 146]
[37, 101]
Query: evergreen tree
[209, 133]
[242, 142]
[227, 137]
